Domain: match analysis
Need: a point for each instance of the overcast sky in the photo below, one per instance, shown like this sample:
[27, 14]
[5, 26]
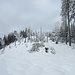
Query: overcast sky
[19, 14]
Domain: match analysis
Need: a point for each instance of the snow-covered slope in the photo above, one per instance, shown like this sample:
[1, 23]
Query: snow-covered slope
[18, 61]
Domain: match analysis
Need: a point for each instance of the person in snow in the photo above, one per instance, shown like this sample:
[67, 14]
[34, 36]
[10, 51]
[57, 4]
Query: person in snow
[46, 49]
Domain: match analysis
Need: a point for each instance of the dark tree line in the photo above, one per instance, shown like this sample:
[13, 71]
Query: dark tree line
[23, 34]
[67, 30]
[6, 40]
[13, 37]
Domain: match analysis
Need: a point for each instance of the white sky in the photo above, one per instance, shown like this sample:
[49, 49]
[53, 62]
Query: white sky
[19, 14]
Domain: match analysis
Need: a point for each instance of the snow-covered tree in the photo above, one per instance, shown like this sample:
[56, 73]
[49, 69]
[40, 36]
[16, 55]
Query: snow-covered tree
[16, 36]
[41, 36]
[1, 43]
[25, 34]
[68, 13]
[55, 32]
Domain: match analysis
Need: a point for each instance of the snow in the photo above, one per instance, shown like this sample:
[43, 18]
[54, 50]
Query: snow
[18, 61]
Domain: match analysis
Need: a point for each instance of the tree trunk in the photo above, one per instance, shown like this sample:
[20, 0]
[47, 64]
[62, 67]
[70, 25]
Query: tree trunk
[25, 40]
[47, 39]
[66, 31]
[69, 24]
[15, 43]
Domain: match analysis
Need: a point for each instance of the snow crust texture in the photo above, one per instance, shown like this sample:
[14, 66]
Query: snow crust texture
[18, 61]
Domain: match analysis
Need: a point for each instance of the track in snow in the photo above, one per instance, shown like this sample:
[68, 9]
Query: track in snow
[17, 61]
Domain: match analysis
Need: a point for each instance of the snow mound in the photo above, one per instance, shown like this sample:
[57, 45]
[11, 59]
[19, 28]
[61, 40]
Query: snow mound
[53, 50]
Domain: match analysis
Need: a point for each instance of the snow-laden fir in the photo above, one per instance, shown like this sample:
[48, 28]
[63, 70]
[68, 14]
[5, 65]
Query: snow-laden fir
[17, 60]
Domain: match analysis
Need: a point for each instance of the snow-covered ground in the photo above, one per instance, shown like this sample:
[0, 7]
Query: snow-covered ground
[18, 61]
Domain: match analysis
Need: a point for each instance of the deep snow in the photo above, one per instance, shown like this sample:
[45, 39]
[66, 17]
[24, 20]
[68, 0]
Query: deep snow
[18, 61]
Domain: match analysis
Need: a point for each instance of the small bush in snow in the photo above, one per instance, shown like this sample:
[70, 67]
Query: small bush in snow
[56, 42]
[52, 50]
[26, 45]
[53, 40]
[35, 47]
[9, 46]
